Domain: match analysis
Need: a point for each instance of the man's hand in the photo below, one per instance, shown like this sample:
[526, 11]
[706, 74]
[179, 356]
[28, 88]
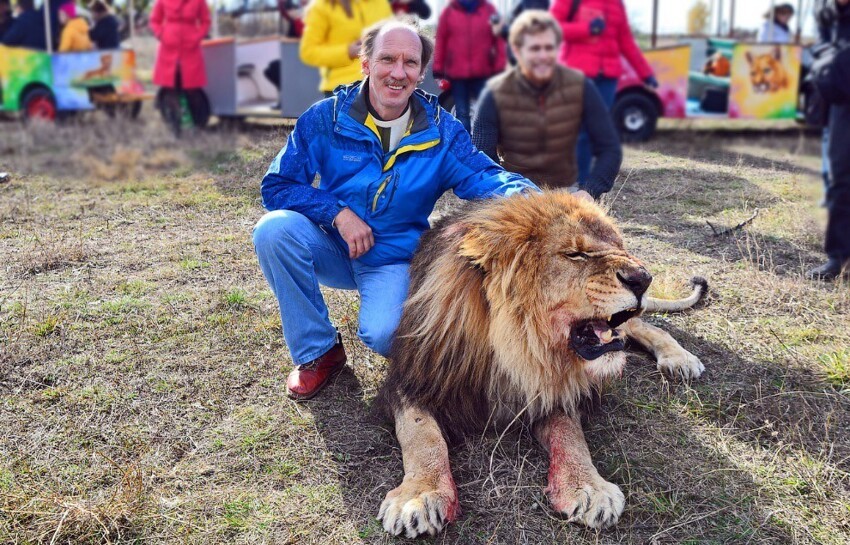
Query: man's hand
[354, 49]
[354, 232]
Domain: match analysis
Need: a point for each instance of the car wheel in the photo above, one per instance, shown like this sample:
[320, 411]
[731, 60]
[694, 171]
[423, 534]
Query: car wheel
[39, 103]
[635, 116]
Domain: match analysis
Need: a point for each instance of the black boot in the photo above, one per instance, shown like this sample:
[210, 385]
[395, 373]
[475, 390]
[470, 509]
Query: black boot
[830, 270]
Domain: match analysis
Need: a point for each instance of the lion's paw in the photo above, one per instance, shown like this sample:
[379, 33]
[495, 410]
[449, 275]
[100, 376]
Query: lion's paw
[597, 505]
[684, 365]
[416, 509]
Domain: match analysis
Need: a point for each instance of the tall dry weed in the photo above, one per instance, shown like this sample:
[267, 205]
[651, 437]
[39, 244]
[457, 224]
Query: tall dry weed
[52, 517]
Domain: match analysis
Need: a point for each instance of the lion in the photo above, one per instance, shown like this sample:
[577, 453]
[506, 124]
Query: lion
[103, 71]
[518, 308]
[767, 74]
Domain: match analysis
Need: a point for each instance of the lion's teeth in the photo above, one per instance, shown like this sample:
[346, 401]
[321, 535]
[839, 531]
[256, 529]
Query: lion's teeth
[606, 336]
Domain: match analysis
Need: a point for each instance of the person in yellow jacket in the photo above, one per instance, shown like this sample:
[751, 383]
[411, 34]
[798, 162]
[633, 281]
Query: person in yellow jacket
[331, 39]
[75, 30]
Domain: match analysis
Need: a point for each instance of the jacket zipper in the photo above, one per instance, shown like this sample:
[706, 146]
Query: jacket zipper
[381, 189]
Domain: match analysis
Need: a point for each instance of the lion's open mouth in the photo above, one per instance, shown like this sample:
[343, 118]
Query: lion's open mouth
[592, 338]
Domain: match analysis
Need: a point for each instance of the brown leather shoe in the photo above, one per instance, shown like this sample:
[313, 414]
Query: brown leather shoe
[306, 381]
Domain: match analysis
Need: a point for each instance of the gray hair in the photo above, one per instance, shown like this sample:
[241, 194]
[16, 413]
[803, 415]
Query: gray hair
[367, 48]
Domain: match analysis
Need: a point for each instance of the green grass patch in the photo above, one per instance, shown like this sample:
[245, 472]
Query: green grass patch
[7, 479]
[236, 297]
[47, 326]
[143, 189]
[247, 513]
[836, 365]
[134, 288]
[193, 264]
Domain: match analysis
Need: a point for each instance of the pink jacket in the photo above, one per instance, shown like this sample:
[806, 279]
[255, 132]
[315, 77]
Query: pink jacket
[465, 46]
[180, 25]
[598, 55]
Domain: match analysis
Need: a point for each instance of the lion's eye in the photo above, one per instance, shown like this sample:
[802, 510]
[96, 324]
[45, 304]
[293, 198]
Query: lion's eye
[575, 255]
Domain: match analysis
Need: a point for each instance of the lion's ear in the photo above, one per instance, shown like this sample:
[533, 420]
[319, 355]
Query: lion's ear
[749, 57]
[486, 247]
[777, 52]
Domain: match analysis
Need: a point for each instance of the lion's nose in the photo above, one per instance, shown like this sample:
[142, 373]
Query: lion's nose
[637, 280]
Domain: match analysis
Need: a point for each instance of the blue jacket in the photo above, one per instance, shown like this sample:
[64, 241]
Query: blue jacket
[27, 30]
[393, 192]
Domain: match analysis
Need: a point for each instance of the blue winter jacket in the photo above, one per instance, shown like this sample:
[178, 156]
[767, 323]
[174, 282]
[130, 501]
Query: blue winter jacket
[27, 30]
[392, 192]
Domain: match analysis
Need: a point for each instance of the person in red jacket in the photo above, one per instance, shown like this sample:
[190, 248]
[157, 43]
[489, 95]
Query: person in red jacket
[180, 26]
[469, 49]
[596, 35]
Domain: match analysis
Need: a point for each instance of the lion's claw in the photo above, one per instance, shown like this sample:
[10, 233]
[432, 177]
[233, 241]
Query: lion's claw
[683, 365]
[416, 509]
[597, 505]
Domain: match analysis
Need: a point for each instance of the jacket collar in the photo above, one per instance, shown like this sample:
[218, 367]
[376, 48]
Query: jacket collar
[350, 101]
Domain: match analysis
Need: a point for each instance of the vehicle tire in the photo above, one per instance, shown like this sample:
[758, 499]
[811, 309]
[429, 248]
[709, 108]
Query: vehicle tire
[39, 103]
[635, 116]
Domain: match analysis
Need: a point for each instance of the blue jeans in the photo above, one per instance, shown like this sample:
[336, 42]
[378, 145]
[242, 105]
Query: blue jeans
[607, 87]
[296, 255]
[464, 91]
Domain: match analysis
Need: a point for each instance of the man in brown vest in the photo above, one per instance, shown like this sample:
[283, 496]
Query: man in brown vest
[529, 117]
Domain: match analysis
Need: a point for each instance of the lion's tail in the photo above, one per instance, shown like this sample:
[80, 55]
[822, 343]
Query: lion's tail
[700, 285]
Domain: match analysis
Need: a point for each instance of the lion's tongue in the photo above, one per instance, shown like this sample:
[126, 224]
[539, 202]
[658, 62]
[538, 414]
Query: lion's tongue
[594, 338]
[603, 331]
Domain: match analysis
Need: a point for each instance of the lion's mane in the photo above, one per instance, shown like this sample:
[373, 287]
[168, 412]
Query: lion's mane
[475, 343]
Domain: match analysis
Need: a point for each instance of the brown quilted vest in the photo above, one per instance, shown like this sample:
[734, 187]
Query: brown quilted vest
[538, 129]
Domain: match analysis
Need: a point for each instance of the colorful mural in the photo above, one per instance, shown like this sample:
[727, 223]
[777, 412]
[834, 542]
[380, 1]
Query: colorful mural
[764, 81]
[670, 65]
[18, 68]
[77, 75]
[72, 77]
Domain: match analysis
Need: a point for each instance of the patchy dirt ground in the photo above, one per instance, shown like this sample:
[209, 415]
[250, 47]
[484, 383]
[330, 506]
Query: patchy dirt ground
[142, 366]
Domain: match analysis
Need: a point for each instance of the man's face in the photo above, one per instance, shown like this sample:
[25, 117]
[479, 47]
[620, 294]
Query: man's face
[537, 56]
[393, 69]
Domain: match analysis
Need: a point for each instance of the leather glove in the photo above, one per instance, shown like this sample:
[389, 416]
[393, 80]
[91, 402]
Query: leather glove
[597, 26]
[651, 81]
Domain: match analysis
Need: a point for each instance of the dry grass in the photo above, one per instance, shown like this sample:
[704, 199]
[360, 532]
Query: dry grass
[142, 366]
